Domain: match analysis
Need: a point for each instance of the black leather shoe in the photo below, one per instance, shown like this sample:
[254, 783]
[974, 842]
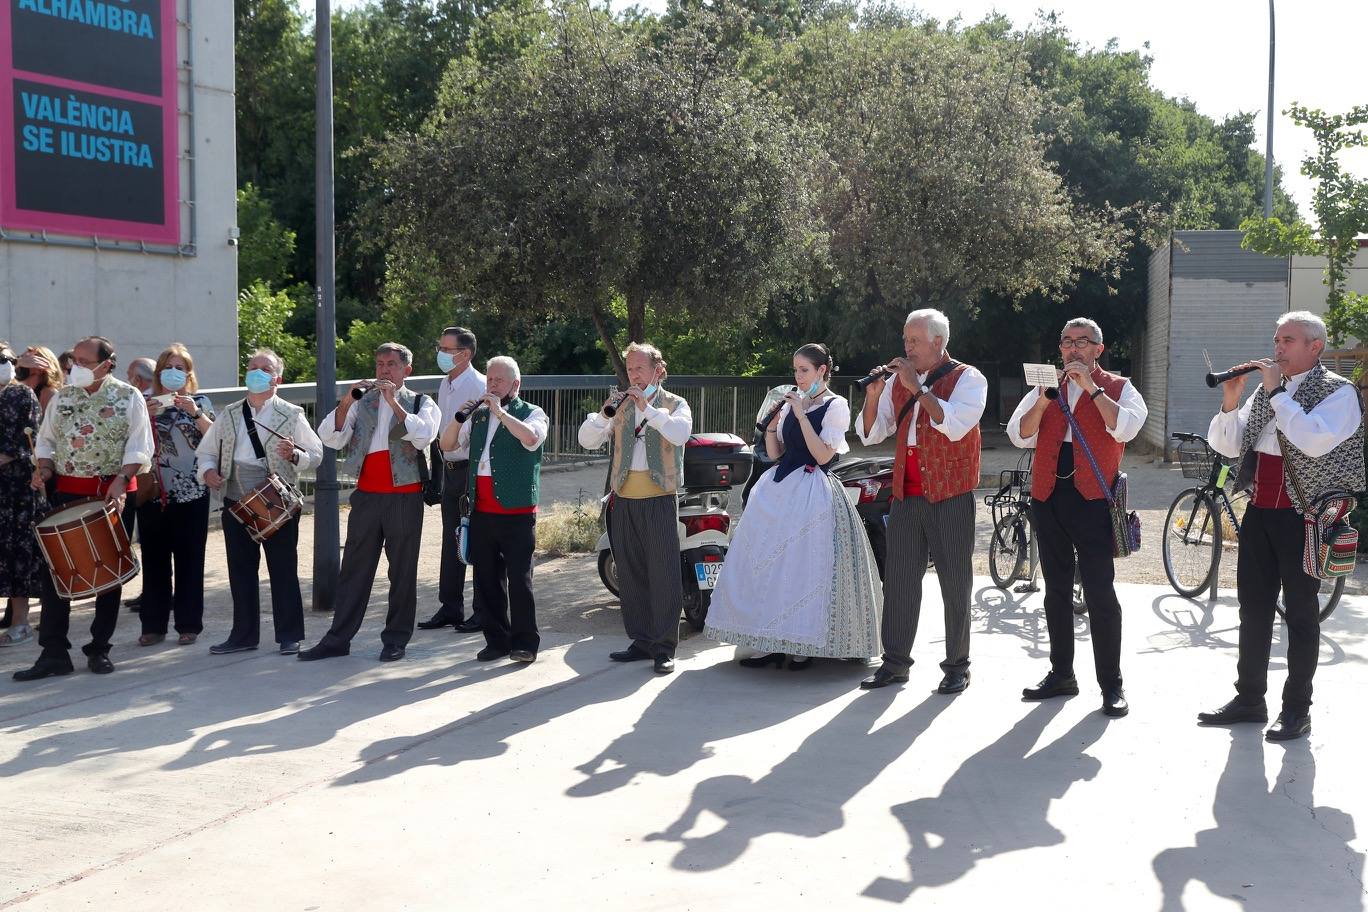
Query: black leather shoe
[289, 648]
[773, 658]
[664, 665]
[469, 625]
[438, 621]
[1114, 702]
[1234, 712]
[882, 678]
[1052, 685]
[632, 653]
[99, 664]
[391, 653]
[526, 656]
[954, 682]
[1289, 727]
[225, 648]
[489, 654]
[324, 651]
[45, 667]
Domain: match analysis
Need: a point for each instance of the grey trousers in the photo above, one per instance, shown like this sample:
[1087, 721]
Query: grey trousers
[646, 552]
[918, 529]
[392, 523]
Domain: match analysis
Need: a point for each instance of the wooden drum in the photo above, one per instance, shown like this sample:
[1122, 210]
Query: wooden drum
[267, 508]
[86, 547]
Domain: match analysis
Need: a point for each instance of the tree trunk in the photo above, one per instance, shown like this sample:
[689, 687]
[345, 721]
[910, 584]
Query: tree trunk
[609, 343]
[636, 316]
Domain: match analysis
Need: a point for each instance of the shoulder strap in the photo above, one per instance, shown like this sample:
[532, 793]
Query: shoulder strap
[1083, 442]
[252, 431]
[422, 457]
[931, 380]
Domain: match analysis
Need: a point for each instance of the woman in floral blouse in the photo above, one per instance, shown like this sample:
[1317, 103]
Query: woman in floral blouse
[21, 563]
[174, 521]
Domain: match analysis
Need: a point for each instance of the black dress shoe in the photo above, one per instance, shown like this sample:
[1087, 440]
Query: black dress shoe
[1289, 727]
[469, 625]
[490, 653]
[954, 682]
[45, 667]
[774, 658]
[525, 656]
[227, 647]
[438, 621]
[391, 653]
[882, 678]
[632, 653]
[1114, 702]
[664, 664]
[324, 651]
[1052, 685]
[1234, 712]
[289, 648]
[99, 664]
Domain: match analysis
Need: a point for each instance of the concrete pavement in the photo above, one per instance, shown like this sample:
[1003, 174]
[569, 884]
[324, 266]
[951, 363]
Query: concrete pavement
[188, 781]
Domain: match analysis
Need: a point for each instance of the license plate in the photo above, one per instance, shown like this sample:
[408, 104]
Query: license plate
[707, 574]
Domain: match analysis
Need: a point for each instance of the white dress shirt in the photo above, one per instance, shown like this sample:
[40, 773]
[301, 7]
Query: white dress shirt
[138, 449]
[536, 420]
[420, 426]
[1130, 417]
[674, 426]
[962, 410]
[1315, 433]
[454, 393]
[835, 422]
[307, 445]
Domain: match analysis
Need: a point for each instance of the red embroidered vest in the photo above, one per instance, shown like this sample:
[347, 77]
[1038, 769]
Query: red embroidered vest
[1105, 448]
[948, 468]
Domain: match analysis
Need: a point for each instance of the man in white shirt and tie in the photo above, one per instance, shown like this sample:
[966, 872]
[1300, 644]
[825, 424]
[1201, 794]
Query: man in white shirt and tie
[382, 430]
[455, 356]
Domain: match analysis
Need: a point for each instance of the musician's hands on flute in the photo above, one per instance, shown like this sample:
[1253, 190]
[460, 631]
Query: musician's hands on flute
[1270, 373]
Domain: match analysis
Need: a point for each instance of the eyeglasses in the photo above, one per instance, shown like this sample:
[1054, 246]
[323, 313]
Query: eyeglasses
[1077, 343]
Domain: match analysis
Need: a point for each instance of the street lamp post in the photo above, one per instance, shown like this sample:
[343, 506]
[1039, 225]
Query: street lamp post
[1268, 155]
[326, 537]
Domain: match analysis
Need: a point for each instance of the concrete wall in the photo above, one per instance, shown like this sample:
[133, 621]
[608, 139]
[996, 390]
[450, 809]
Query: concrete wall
[52, 295]
[1308, 284]
[1152, 369]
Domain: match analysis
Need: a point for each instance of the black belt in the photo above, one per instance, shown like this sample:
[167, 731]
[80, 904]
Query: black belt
[456, 463]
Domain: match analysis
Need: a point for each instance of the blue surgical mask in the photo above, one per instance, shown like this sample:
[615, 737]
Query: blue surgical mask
[445, 361]
[812, 390]
[258, 381]
[649, 391]
[173, 378]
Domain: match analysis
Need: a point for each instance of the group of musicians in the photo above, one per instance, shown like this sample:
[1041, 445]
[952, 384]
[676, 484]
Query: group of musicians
[1299, 435]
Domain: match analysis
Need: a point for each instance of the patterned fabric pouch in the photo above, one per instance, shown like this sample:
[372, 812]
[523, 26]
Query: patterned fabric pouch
[1330, 548]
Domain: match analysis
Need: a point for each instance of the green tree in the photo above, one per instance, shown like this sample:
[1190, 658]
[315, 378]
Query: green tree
[266, 247]
[1340, 204]
[595, 165]
[261, 324]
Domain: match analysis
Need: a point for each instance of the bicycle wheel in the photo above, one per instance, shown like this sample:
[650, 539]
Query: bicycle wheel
[1191, 542]
[1007, 552]
[1329, 597]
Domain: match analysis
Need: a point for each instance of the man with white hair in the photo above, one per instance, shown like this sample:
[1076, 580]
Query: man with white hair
[382, 429]
[1298, 437]
[508, 434]
[933, 404]
[1069, 506]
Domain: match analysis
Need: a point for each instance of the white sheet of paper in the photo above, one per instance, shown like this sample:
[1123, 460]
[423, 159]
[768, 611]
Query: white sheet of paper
[1041, 375]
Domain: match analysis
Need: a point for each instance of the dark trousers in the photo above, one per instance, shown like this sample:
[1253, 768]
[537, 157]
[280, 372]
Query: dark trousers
[392, 523]
[173, 536]
[1271, 559]
[282, 564]
[944, 532]
[1064, 524]
[500, 552]
[451, 582]
[56, 620]
[645, 542]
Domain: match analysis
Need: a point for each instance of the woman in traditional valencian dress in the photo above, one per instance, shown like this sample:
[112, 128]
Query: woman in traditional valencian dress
[799, 580]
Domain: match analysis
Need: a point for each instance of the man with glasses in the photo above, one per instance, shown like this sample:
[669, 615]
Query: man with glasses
[1070, 508]
[463, 383]
[94, 440]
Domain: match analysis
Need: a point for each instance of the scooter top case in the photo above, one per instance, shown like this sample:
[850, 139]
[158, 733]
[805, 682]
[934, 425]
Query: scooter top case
[716, 462]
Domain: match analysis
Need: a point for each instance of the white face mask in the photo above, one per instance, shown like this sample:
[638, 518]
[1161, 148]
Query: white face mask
[6, 373]
[81, 376]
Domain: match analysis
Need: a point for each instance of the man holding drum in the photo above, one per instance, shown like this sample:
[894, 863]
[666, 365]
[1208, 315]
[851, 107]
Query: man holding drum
[254, 438]
[94, 440]
[382, 429]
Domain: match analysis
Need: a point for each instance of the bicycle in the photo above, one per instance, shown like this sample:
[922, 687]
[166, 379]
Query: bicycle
[1199, 521]
[1012, 554]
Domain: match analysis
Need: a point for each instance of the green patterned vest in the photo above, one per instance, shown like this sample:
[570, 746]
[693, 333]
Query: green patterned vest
[92, 429]
[515, 470]
[404, 457]
[283, 418]
[664, 460]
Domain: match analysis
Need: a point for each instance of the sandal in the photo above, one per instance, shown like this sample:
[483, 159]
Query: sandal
[151, 639]
[187, 639]
[19, 633]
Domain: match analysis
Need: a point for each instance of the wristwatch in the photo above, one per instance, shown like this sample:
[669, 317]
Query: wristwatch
[1280, 388]
[1095, 393]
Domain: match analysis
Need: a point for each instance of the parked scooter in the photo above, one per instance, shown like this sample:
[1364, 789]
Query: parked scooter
[713, 465]
[868, 482]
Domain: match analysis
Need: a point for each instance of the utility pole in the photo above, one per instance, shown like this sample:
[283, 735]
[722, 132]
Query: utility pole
[1268, 155]
[327, 546]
